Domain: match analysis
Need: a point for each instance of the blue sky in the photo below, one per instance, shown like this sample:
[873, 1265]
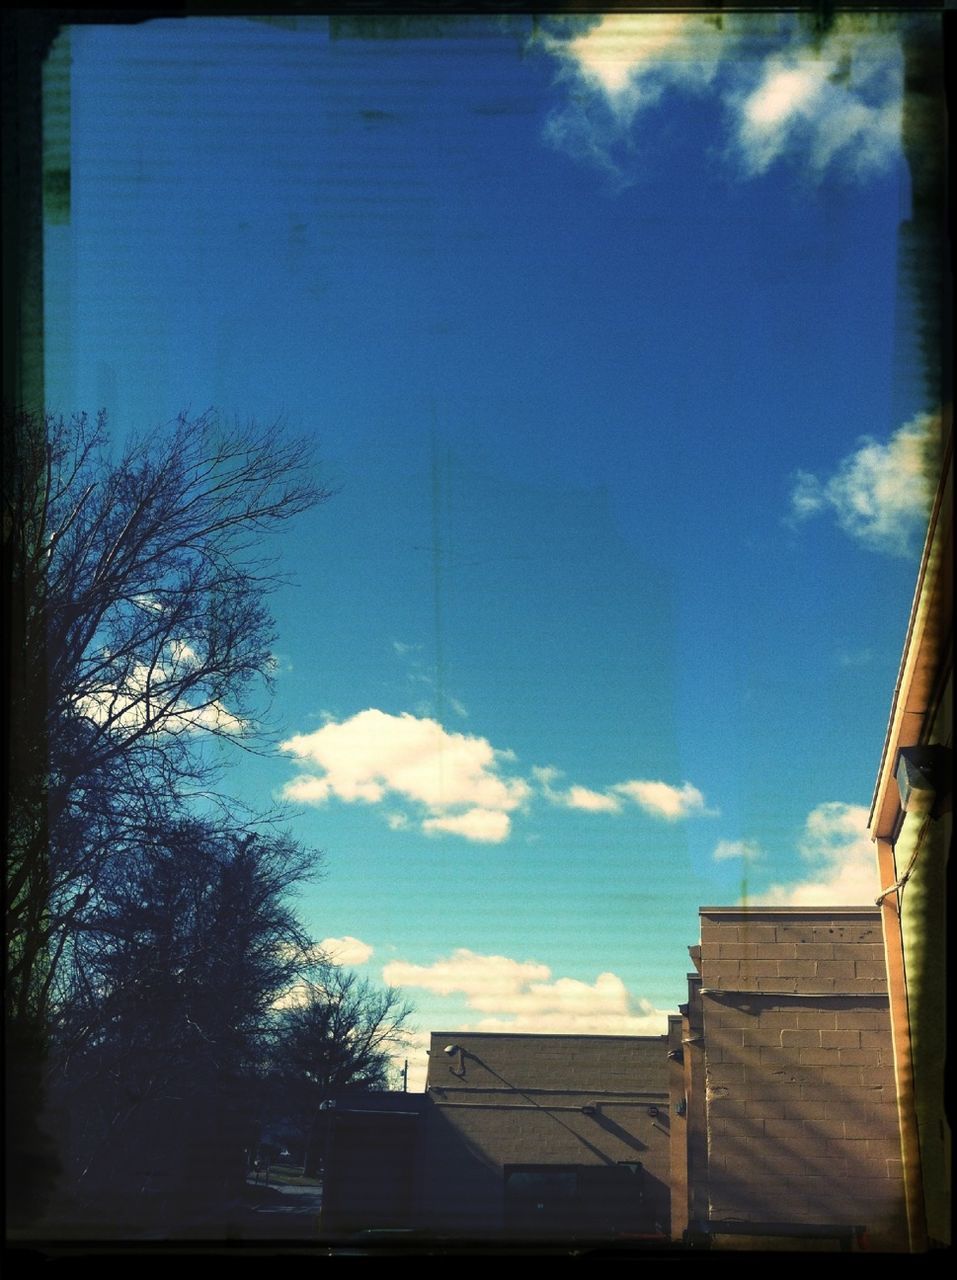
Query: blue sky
[599, 328]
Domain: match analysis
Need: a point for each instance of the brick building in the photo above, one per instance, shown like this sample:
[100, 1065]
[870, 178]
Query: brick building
[548, 1135]
[791, 1127]
[766, 1116]
[531, 1136]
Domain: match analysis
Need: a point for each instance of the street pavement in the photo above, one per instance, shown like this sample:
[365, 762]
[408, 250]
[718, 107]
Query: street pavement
[279, 1211]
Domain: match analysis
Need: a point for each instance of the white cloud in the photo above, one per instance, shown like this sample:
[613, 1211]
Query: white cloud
[831, 99]
[657, 798]
[807, 496]
[618, 67]
[213, 716]
[637, 1019]
[545, 775]
[836, 844]
[839, 100]
[631, 58]
[454, 777]
[294, 997]
[727, 849]
[415, 1054]
[494, 977]
[149, 603]
[489, 826]
[785, 91]
[663, 800]
[345, 950]
[591, 801]
[633, 55]
[144, 697]
[575, 797]
[880, 494]
[523, 996]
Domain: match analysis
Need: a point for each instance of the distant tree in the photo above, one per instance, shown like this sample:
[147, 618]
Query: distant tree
[337, 1032]
[340, 1031]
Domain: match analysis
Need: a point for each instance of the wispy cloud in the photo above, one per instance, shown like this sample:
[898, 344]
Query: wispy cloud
[591, 801]
[616, 67]
[662, 800]
[628, 56]
[421, 674]
[574, 797]
[490, 826]
[837, 101]
[725, 850]
[841, 858]
[455, 779]
[149, 694]
[782, 90]
[523, 995]
[318, 955]
[346, 950]
[879, 494]
[860, 657]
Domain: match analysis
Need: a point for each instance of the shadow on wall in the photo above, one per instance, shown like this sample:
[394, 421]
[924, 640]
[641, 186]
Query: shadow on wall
[468, 1194]
[462, 1192]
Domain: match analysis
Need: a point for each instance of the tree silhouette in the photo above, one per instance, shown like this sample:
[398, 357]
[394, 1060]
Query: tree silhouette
[139, 627]
[174, 985]
[337, 1032]
[137, 630]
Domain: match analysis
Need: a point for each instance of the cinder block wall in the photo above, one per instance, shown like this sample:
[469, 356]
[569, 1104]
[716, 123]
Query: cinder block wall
[801, 1109]
[518, 1099]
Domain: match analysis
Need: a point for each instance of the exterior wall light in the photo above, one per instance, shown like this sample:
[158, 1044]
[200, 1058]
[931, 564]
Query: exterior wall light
[452, 1050]
[923, 778]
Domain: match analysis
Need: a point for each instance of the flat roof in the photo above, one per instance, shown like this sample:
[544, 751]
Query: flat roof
[869, 910]
[543, 1035]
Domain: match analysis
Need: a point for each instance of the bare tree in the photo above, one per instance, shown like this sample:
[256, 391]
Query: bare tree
[337, 1032]
[341, 1031]
[139, 627]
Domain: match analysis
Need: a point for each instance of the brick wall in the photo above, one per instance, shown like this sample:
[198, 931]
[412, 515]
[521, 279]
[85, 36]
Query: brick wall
[800, 1104]
[516, 1099]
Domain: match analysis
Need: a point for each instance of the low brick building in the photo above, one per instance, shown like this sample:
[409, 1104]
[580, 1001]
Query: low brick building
[768, 1114]
[522, 1136]
[792, 1123]
[548, 1135]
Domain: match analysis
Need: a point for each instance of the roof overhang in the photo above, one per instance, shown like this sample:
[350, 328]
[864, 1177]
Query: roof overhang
[928, 653]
